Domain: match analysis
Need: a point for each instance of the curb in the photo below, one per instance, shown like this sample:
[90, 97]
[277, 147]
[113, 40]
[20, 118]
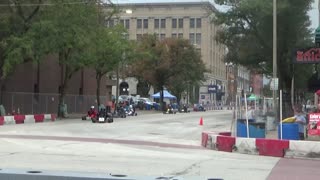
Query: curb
[26, 119]
[223, 141]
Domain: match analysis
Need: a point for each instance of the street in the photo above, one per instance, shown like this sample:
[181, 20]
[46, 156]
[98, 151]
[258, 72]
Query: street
[145, 145]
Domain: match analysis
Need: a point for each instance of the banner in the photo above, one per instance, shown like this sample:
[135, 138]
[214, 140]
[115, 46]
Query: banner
[314, 124]
[212, 89]
[310, 55]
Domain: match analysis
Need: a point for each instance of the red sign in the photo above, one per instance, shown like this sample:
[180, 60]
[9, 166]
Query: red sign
[311, 55]
[314, 124]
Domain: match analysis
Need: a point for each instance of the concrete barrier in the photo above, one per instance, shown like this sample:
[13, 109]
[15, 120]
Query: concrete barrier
[303, 149]
[23, 119]
[246, 146]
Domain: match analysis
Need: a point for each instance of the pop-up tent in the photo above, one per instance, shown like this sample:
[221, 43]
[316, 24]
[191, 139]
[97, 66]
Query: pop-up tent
[166, 94]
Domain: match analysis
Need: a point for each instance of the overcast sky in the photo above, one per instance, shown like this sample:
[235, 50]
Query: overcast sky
[313, 13]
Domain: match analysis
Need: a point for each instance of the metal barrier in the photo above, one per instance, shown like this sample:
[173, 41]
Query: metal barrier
[29, 103]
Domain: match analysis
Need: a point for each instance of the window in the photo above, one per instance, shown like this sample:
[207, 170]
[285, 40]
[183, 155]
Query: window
[198, 38]
[180, 23]
[174, 35]
[162, 37]
[139, 37]
[198, 22]
[110, 23]
[191, 38]
[180, 36]
[163, 23]
[174, 23]
[139, 23]
[156, 23]
[145, 23]
[192, 23]
[157, 35]
[122, 22]
[127, 24]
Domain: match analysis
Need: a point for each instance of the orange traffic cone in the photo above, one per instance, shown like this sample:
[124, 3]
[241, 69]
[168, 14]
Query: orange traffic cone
[201, 122]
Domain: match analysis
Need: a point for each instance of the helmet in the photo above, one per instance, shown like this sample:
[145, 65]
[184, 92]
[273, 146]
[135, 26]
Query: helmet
[92, 107]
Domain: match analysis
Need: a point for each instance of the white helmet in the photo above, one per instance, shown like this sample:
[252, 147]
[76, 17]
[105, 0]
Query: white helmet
[92, 107]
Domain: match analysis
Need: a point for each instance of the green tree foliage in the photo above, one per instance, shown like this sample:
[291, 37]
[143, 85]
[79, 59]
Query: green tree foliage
[246, 29]
[169, 63]
[65, 29]
[107, 51]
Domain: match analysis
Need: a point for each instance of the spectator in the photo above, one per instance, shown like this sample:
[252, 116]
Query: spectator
[300, 118]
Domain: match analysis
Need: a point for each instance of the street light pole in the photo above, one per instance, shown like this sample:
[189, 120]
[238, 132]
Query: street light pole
[275, 52]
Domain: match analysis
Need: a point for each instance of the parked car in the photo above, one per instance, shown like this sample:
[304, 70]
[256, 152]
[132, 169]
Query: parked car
[142, 102]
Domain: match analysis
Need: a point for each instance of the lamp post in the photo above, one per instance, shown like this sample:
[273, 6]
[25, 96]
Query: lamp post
[275, 53]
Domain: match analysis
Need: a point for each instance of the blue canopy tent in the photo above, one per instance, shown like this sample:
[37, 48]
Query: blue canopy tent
[166, 94]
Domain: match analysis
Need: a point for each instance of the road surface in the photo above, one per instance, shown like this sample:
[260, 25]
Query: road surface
[145, 145]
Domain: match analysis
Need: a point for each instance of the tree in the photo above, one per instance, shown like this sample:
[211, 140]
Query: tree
[65, 29]
[189, 69]
[246, 29]
[16, 18]
[169, 63]
[107, 50]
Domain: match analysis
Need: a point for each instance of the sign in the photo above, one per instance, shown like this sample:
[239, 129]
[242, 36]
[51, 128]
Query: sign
[274, 84]
[212, 89]
[310, 55]
[314, 124]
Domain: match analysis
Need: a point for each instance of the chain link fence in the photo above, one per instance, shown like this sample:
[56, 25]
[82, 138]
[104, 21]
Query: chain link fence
[30, 103]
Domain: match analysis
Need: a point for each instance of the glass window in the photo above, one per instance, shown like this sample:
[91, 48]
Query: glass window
[156, 23]
[127, 25]
[139, 23]
[191, 22]
[139, 37]
[111, 22]
[181, 23]
[162, 36]
[180, 36]
[121, 22]
[174, 23]
[145, 23]
[163, 23]
[174, 35]
[191, 38]
[198, 38]
[198, 22]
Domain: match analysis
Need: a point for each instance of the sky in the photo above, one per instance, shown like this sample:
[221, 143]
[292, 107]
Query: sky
[313, 13]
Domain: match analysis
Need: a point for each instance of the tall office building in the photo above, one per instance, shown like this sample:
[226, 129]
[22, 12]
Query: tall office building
[188, 20]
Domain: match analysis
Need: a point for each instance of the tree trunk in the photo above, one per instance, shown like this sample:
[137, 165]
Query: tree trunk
[163, 107]
[98, 78]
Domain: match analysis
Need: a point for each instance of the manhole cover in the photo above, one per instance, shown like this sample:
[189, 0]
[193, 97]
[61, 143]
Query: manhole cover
[34, 172]
[118, 175]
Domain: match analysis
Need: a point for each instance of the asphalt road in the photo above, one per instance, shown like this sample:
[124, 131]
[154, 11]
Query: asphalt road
[145, 145]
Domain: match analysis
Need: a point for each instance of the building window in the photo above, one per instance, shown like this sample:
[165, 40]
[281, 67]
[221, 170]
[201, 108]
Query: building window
[163, 23]
[174, 23]
[127, 24]
[162, 37]
[198, 22]
[110, 23]
[139, 37]
[180, 23]
[139, 23]
[174, 35]
[191, 38]
[156, 23]
[191, 22]
[198, 38]
[122, 22]
[180, 36]
[145, 23]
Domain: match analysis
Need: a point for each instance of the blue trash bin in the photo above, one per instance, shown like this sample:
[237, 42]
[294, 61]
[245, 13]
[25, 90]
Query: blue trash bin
[290, 131]
[256, 129]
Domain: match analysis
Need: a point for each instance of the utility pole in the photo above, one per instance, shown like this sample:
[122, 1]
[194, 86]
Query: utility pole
[275, 54]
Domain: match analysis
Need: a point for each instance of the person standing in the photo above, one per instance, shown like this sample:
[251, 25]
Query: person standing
[301, 120]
